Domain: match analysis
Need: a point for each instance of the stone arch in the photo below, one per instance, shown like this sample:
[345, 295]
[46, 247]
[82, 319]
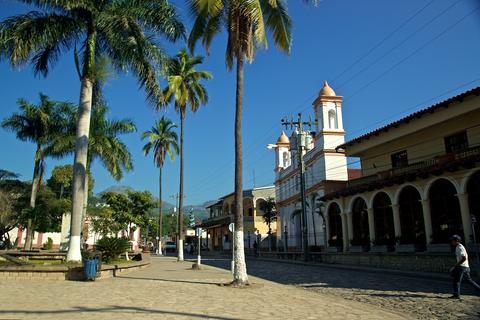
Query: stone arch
[332, 119]
[296, 227]
[334, 203]
[445, 210]
[248, 207]
[352, 200]
[426, 191]
[383, 218]
[335, 225]
[360, 227]
[396, 196]
[412, 223]
[374, 195]
[462, 188]
[259, 203]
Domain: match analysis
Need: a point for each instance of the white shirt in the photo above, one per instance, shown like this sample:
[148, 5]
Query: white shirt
[461, 252]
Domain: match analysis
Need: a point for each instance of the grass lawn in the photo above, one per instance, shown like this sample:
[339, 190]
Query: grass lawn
[4, 263]
[119, 261]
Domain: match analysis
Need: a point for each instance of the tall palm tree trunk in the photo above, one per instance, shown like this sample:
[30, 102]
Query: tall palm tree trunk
[79, 189]
[85, 198]
[33, 199]
[180, 200]
[240, 276]
[160, 214]
[81, 148]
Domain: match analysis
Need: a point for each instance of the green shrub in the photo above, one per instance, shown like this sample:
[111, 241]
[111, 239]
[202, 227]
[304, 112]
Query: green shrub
[48, 245]
[111, 248]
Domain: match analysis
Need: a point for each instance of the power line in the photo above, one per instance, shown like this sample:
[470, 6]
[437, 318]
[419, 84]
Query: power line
[366, 127]
[254, 147]
[340, 140]
[411, 35]
[449, 28]
[399, 27]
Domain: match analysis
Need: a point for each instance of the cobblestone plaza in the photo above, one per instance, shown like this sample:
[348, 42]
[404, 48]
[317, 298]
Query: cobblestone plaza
[170, 290]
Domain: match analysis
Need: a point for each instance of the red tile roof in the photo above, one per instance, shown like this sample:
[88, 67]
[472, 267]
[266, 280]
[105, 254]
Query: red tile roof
[354, 173]
[413, 116]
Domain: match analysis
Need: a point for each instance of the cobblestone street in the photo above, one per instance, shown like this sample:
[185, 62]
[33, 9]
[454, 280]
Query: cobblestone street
[417, 298]
[169, 290]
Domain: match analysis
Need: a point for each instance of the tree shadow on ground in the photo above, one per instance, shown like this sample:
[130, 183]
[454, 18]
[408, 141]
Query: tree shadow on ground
[169, 280]
[330, 277]
[115, 309]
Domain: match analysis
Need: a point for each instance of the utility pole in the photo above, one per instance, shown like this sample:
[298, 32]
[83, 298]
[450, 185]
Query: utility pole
[301, 146]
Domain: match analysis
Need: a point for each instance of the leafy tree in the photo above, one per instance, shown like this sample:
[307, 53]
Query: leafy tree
[270, 215]
[141, 204]
[8, 219]
[120, 207]
[127, 210]
[103, 221]
[162, 140]
[104, 145]
[38, 124]
[62, 178]
[169, 225]
[8, 175]
[125, 31]
[245, 23]
[185, 89]
[47, 214]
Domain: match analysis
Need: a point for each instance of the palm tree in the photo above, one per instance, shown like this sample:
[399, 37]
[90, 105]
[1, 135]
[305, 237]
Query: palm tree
[104, 145]
[39, 124]
[185, 88]
[126, 31]
[245, 23]
[162, 139]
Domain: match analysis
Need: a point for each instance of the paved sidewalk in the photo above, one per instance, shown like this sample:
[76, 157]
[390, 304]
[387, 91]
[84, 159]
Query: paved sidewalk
[169, 290]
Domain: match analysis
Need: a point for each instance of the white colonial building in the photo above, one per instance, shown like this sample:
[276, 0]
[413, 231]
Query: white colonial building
[325, 167]
[419, 181]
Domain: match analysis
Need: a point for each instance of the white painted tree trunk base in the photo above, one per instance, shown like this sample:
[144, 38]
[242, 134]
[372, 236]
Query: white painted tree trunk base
[180, 250]
[74, 254]
[159, 248]
[65, 233]
[240, 276]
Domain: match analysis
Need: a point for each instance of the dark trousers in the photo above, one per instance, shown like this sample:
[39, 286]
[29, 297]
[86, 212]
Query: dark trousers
[459, 274]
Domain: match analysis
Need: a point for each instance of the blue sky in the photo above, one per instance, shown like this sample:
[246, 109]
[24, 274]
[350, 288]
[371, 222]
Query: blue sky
[436, 54]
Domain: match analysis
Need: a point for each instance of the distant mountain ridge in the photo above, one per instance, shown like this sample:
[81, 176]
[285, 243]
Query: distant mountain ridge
[199, 210]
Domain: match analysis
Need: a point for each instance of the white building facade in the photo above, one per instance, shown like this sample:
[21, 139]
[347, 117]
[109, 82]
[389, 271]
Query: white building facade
[324, 168]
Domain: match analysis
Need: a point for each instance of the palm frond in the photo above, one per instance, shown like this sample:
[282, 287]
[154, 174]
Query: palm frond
[279, 22]
[38, 36]
[162, 139]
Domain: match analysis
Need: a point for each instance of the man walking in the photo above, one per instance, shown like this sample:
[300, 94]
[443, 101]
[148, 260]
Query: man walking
[461, 269]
